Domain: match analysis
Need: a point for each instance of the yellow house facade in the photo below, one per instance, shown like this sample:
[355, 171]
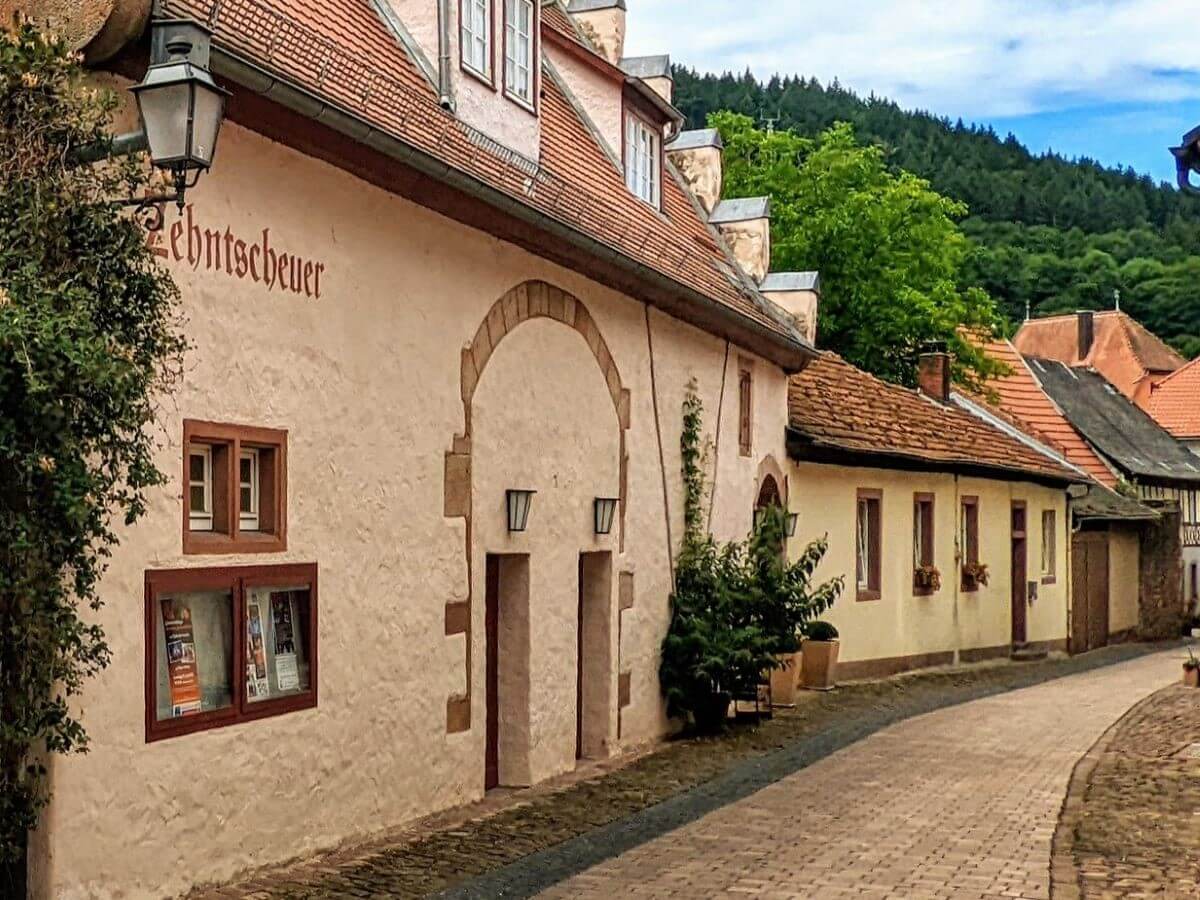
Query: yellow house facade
[952, 537]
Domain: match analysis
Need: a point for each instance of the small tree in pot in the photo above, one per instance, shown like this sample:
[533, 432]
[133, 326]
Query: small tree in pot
[821, 647]
[736, 607]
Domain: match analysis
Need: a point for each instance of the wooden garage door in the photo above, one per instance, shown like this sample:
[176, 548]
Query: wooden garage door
[1089, 592]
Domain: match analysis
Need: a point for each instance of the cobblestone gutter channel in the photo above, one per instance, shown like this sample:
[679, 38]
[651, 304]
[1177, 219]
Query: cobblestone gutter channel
[529, 847]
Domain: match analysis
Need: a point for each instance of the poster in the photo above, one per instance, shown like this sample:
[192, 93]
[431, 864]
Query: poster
[182, 672]
[287, 671]
[257, 687]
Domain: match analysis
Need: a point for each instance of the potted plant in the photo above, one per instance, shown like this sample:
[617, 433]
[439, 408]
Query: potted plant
[927, 578]
[819, 656]
[1191, 671]
[785, 678]
[974, 574]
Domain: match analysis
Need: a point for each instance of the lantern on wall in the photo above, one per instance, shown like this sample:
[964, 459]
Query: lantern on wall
[518, 503]
[792, 520]
[180, 105]
[604, 511]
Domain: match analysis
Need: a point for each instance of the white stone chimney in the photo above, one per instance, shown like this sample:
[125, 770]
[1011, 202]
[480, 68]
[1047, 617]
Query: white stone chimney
[603, 23]
[655, 71]
[746, 226]
[799, 294]
[698, 156]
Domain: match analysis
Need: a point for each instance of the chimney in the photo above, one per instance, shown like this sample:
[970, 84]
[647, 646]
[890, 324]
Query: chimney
[746, 226]
[798, 294]
[933, 373]
[603, 23]
[1087, 332]
[698, 156]
[655, 71]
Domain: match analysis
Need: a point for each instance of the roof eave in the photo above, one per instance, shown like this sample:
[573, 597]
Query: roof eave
[803, 447]
[691, 305]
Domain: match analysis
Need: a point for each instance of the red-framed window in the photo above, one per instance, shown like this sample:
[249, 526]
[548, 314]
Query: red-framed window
[923, 542]
[228, 645]
[869, 544]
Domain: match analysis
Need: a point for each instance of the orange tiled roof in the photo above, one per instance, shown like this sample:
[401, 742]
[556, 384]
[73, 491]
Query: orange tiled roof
[1123, 351]
[1175, 402]
[1020, 396]
[836, 407]
[342, 51]
[556, 18]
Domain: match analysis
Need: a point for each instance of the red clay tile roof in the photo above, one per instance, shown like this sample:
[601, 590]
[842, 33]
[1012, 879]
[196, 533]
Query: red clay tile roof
[836, 407]
[1020, 397]
[342, 52]
[557, 19]
[1175, 402]
[1123, 351]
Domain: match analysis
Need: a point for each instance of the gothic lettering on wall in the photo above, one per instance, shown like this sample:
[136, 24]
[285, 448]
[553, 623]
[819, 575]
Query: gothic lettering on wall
[258, 259]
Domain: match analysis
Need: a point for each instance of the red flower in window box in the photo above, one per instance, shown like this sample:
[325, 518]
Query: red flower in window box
[927, 578]
[975, 574]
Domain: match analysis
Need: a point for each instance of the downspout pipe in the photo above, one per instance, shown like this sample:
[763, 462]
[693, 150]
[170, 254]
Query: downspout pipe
[445, 89]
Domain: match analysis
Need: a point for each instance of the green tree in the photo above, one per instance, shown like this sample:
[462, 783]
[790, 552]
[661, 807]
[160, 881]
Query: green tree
[89, 341]
[888, 247]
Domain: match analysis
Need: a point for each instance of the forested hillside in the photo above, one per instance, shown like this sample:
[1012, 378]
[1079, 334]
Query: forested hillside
[1057, 234]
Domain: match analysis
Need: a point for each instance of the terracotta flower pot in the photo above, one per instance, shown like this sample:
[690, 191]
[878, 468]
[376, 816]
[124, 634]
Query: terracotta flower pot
[783, 681]
[819, 664]
[1191, 677]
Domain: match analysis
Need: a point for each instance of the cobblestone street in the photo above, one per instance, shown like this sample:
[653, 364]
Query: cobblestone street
[1133, 821]
[961, 803]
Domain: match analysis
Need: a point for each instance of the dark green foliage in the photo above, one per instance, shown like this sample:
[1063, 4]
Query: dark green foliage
[888, 248]
[88, 344]
[736, 606]
[1053, 233]
[821, 631]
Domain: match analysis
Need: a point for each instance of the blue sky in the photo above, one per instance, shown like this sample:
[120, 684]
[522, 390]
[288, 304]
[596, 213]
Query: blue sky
[1116, 80]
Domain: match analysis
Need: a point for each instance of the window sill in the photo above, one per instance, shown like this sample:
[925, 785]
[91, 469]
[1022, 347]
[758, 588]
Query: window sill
[924, 592]
[216, 543]
[478, 76]
[1049, 579]
[869, 596]
[222, 718]
[520, 101]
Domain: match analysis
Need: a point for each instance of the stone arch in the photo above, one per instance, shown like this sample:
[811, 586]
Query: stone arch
[527, 301]
[769, 469]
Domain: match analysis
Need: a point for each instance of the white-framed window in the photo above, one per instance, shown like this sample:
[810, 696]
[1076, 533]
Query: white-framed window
[643, 159]
[476, 38]
[518, 49]
[200, 487]
[248, 490]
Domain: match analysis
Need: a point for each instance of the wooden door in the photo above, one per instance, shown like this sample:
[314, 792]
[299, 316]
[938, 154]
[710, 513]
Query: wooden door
[1079, 593]
[1020, 571]
[1098, 592]
[579, 668]
[491, 765]
[1089, 591]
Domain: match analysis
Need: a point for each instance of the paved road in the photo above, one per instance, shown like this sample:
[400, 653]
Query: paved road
[961, 803]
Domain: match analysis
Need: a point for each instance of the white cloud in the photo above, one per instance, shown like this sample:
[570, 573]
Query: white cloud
[974, 58]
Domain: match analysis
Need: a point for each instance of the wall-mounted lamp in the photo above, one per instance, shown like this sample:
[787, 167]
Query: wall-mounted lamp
[1187, 161]
[181, 110]
[792, 520]
[604, 510]
[518, 503]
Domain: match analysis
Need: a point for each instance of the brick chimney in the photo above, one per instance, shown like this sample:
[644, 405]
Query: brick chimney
[933, 373]
[1087, 332]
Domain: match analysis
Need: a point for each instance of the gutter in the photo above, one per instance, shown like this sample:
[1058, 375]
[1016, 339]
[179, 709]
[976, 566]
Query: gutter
[445, 88]
[791, 355]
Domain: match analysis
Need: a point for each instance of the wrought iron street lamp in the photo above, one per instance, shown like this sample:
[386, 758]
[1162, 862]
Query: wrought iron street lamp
[181, 109]
[518, 503]
[1187, 161]
[604, 511]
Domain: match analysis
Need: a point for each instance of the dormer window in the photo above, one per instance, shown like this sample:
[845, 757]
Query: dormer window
[476, 38]
[519, 50]
[643, 159]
